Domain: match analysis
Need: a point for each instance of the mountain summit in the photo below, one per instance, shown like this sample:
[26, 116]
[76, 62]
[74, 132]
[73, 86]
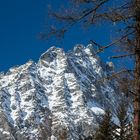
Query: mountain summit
[62, 97]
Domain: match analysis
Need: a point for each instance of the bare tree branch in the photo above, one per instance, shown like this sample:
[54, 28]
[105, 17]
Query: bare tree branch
[121, 56]
[101, 48]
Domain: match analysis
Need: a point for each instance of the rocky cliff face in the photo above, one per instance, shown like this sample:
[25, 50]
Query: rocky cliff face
[61, 97]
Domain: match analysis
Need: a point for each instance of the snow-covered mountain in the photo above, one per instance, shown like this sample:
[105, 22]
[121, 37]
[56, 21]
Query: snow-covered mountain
[61, 97]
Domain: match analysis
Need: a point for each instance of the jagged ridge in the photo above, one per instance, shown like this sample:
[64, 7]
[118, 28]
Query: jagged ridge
[61, 96]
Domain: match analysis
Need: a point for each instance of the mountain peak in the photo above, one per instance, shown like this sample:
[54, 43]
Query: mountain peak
[61, 95]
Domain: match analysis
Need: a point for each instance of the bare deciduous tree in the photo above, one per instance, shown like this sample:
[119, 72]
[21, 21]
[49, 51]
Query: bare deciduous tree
[91, 12]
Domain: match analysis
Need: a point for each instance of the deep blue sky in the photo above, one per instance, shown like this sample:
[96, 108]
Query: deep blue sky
[20, 23]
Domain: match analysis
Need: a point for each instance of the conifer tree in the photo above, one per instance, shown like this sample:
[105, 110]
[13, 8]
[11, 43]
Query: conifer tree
[105, 131]
[123, 130]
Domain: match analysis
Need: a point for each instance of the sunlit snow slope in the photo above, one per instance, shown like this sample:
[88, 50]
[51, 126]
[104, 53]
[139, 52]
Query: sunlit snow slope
[61, 97]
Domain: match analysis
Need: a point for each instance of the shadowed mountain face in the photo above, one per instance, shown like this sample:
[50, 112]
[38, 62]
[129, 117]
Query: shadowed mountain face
[61, 97]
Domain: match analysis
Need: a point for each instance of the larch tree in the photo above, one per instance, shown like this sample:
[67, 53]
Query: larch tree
[91, 12]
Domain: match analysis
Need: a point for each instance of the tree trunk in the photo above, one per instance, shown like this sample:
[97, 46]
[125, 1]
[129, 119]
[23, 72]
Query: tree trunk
[137, 99]
[137, 75]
